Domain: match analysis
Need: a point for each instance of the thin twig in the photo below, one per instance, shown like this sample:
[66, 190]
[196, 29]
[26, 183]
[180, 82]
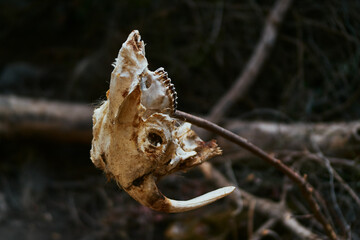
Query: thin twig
[261, 230]
[306, 188]
[337, 209]
[250, 226]
[333, 161]
[336, 206]
[347, 188]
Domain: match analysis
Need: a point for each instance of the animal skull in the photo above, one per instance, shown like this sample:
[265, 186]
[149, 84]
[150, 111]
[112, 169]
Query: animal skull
[135, 139]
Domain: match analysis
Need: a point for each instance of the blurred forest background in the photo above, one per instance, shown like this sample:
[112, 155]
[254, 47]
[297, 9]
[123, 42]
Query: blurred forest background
[61, 51]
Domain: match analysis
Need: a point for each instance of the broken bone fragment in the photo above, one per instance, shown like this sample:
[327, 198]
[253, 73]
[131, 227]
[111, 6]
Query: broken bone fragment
[136, 141]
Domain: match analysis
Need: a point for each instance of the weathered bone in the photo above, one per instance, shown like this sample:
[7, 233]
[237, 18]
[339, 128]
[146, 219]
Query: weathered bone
[135, 139]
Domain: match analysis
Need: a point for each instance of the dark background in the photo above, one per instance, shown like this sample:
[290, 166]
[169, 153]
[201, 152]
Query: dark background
[63, 50]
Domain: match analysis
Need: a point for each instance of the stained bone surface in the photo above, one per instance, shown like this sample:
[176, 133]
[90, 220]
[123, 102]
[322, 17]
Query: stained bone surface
[135, 139]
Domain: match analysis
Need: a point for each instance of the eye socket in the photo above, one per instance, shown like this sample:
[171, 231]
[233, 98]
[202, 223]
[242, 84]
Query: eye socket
[155, 139]
[155, 136]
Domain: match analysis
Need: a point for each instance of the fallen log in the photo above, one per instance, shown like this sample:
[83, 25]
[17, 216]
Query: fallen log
[69, 122]
[51, 120]
[341, 139]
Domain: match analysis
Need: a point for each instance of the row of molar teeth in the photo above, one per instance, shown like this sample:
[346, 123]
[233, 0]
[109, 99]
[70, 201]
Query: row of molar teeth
[167, 82]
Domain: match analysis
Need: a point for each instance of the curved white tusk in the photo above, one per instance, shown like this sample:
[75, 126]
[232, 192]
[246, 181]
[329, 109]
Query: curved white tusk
[148, 194]
[182, 206]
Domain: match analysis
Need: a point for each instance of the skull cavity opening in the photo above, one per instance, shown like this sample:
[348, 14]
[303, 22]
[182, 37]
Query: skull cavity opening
[155, 139]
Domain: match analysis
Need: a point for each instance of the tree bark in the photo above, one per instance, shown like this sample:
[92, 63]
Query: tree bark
[25, 117]
[51, 120]
[333, 139]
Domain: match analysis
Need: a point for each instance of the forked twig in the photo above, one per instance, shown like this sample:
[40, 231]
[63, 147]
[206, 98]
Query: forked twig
[262, 229]
[306, 188]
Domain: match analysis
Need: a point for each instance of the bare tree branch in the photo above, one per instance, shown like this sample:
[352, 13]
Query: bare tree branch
[253, 67]
[306, 189]
[333, 139]
[263, 206]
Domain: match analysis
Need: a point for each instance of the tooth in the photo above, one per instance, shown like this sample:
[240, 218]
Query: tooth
[182, 206]
[160, 69]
